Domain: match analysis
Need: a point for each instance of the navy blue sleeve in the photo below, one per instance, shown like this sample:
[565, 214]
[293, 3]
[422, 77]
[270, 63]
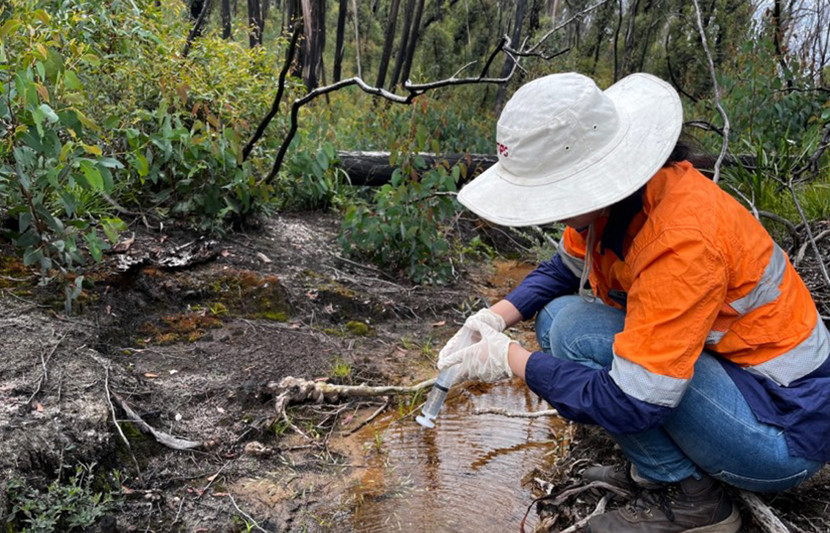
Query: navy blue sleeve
[549, 280]
[590, 396]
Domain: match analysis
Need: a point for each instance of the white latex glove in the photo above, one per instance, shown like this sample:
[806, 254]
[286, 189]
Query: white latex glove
[469, 332]
[485, 360]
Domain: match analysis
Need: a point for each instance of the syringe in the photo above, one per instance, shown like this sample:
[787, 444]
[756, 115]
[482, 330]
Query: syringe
[436, 396]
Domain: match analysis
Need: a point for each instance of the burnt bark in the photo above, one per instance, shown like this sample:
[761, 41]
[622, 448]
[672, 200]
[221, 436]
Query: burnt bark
[388, 41]
[338, 44]
[413, 41]
[508, 62]
[226, 19]
[409, 10]
[254, 23]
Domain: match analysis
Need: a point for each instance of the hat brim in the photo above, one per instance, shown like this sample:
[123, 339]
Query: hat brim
[651, 116]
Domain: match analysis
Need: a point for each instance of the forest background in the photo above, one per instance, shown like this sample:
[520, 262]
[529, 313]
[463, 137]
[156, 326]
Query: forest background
[141, 109]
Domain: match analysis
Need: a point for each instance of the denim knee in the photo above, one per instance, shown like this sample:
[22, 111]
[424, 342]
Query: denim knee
[546, 317]
[571, 328]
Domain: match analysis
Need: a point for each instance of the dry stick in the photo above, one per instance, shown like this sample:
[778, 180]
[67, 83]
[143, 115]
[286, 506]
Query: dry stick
[414, 91]
[803, 250]
[762, 514]
[369, 419]
[170, 441]
[599, 509]
[514, 414]
[246, 515]
[44, 375]
[529, 51]
[115, 418]
[718, 106]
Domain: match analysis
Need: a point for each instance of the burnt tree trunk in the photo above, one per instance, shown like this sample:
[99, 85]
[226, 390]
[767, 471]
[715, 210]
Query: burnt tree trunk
[254, 23]
[341, 34]
[388, 41]
[413, 41]
[316, 27]
[226, 19]
[402, 47]
[508, 63]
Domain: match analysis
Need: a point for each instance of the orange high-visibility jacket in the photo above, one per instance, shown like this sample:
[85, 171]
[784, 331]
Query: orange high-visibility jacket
[693, 270]
[700, 271]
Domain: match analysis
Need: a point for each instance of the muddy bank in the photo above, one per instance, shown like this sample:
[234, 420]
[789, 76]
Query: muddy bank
[188, 332]
[189, 349]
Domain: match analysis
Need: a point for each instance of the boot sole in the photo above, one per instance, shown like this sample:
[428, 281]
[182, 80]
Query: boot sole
[731, 524]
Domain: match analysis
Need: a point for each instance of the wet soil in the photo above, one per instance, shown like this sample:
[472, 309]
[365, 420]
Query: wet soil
[188, 332]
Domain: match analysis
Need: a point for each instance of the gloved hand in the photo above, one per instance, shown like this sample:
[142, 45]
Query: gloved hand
[486, 360]
[469, 332]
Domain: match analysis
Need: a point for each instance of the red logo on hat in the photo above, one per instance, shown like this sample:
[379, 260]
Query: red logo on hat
[502, 149]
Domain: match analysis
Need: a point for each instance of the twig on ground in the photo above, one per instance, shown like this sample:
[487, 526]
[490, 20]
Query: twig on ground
[369, 419]
[246, 515]
[114, 416]
[515, 414]
[802, 251]
[44, 362]
[713, 74]
[179, 512]
[598, 510]
[212, 478]
[763, 515]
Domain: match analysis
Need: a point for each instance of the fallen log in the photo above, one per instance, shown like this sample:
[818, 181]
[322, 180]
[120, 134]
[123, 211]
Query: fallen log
[373, 169]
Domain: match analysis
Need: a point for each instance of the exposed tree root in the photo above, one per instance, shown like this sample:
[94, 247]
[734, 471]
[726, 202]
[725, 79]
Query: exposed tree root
[297, 390]
[166, 439]
[764, 517]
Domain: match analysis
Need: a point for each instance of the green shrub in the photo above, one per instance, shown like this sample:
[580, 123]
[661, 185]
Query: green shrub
[70, 506]
[406, 225]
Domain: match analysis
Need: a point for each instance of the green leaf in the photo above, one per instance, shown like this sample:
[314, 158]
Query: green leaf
[112, 227]
[96, 245]
[323, 160]
[140, 165]
[93, 177]
[71, 80]
[32, 256]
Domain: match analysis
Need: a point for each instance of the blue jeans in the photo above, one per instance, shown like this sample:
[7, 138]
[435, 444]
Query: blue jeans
[712, 429]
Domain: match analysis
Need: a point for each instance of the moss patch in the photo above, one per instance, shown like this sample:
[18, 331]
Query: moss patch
[357, 328]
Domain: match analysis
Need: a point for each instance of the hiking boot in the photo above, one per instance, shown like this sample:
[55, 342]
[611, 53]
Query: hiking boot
[622, 475]
[691, 506]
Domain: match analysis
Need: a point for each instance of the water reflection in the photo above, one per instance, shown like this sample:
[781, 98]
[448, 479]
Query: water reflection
[464, 475]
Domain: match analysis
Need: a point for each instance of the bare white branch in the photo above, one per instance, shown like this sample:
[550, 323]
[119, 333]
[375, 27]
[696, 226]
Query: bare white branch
[718, 106]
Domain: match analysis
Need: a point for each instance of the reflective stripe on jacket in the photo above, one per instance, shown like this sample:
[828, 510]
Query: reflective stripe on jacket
[699, 271]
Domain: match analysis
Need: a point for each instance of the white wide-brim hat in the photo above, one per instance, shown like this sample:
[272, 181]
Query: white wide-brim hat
[567, 148]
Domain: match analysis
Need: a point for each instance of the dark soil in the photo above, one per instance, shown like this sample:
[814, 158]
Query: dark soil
[188, 332]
